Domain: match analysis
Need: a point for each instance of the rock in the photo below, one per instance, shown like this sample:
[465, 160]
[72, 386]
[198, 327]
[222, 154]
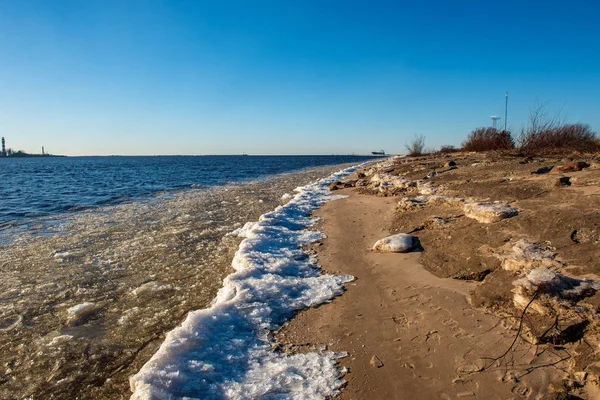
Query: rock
[543, 170]
[79, 311]
[436, 222]
[400, 243]
[585, 236]
[360, 175]
[450, 164]
[569, 167]
[488, 213]
[335, 185]
[544, 281]
[563, 181]
[524, 256]
[376, 362]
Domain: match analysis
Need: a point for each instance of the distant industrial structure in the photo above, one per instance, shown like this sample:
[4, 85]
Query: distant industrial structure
[495, 119]
[10, 153]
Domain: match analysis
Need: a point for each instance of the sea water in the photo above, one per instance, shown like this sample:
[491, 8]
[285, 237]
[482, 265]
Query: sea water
[102, 257]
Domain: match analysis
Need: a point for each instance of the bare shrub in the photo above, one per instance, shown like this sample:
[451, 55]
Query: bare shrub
[578, 137]
[486, 139]
[448, 149]
[544, 133]
[416, 146]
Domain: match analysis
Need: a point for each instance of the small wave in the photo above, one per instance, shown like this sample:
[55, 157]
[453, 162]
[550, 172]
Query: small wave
[225, 351]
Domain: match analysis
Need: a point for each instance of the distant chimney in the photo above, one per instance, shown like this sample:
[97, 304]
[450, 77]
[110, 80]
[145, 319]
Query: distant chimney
[3, 148]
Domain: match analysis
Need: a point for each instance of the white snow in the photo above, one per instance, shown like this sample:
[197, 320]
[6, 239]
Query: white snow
[399, 243]
[225, 351]
[286, 197]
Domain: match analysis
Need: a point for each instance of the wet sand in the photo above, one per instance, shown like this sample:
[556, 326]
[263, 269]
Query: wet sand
[408, 333]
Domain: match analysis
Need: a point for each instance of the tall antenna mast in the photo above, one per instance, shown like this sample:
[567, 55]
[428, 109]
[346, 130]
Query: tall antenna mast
[506, 111]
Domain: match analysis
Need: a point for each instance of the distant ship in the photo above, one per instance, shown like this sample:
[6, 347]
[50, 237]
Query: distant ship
[378, 153]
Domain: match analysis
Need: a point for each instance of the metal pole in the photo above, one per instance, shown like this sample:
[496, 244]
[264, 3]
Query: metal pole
[505, 111]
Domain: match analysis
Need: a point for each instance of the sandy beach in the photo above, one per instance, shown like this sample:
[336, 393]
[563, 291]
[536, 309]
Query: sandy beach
[412, 334]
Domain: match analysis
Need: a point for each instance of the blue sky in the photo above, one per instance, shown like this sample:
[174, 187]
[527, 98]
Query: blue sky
[286, 77]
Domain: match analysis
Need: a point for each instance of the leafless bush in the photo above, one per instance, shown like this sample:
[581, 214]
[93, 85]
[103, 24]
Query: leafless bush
[416, 146]
[545, 133]
[448, 149]
[485, 139]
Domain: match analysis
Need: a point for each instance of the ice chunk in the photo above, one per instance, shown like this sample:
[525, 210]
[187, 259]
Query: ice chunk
[150, 288]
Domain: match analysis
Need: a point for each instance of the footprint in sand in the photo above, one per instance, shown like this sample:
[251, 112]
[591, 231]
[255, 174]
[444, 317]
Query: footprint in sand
[433, 336]
[521, 390]
[400, 319]
[450, 322]
[419, 298]
[409, 365]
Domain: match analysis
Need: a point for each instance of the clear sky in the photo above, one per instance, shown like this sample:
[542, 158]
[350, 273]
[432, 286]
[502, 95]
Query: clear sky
[286, 77]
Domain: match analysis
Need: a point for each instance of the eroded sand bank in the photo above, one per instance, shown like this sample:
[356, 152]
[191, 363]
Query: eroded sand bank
[411, 334]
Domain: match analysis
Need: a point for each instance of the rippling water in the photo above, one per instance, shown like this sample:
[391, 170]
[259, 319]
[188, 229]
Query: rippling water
[34, 187]
[86, 303]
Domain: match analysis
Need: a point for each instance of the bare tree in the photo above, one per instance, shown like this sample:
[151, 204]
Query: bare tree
[416, 146]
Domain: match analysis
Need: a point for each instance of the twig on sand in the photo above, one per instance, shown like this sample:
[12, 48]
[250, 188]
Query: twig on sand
[494, 359]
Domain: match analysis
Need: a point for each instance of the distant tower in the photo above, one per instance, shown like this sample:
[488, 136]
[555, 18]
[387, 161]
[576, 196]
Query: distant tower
[495, 119]
[42, 150]
[506, 111]
[3, 148]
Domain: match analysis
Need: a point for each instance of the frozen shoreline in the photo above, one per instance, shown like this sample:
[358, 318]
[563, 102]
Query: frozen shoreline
[85, 309]
[225, 351]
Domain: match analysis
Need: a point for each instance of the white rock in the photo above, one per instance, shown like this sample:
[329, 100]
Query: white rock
[489, 212]
[400, 243]
[80, 310]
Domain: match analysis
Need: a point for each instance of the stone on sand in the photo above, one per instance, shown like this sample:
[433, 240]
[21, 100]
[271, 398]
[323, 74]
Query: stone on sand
[524, 256]
[488, 213]
[376, 362]
[79, 311]
[570, 167]
[399, 243]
